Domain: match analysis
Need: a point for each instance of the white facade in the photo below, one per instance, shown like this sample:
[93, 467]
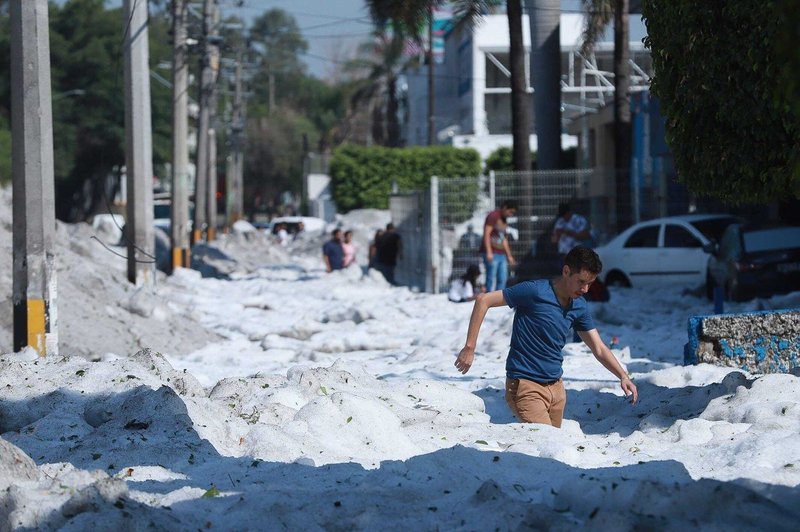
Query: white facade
[473, 90]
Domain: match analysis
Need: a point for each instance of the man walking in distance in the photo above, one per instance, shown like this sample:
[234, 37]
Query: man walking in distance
[544, 312]
[495, 250]
[388, 248]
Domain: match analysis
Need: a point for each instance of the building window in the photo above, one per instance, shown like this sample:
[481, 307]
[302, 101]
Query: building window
[498, 113]
[498, 70]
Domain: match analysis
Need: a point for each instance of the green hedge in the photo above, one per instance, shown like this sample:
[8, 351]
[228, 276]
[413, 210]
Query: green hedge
[362, 177]
[719, 70]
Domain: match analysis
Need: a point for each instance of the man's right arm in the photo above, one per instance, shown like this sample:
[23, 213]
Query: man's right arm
[482, 303]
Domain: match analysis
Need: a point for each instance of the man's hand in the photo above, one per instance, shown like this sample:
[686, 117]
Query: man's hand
[465, 359]
[511, 261]
[630, 390]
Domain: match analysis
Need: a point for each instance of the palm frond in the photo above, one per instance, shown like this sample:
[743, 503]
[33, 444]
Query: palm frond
[599, 13]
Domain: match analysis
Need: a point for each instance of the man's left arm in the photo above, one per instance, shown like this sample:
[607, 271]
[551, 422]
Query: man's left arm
[604, 355]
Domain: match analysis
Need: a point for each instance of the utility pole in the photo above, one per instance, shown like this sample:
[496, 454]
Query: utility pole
[180, 129]
[138, 146]
[34, 283]
[545, 20]
[203, 120]
[213, 39]
[233, 183]
[431, 83]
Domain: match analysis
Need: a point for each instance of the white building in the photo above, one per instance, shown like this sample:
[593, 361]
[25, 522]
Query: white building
[473, 87]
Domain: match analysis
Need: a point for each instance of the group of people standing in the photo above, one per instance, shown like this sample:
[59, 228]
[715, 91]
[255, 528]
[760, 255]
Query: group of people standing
[569, 230]
[340, 251]
[384, 251]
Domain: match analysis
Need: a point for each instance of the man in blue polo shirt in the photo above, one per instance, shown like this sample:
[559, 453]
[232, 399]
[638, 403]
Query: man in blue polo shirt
[333, 252]
[545, 311]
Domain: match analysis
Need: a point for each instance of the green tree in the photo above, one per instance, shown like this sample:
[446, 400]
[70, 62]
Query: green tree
[410, 19]
[278, 41]
[733, 131]
[86, 61]
[381, 62]
[274, 153]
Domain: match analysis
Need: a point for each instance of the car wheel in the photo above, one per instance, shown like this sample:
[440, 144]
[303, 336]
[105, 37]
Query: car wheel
[617, 278]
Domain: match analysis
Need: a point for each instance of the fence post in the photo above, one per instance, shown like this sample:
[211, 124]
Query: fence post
[492, 203]
[435, 255]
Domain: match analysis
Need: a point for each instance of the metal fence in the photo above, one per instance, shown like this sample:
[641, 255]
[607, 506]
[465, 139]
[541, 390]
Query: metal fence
[537, 195]
[413, 214]
[442, 227]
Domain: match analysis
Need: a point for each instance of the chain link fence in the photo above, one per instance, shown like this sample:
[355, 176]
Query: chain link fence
[537, 195]
[443, 226]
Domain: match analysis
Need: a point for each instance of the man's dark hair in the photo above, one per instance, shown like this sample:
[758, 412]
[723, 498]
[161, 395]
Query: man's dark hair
[390, 226]
[563, 208]
[583, 258]
[508, 204]
[335, 231]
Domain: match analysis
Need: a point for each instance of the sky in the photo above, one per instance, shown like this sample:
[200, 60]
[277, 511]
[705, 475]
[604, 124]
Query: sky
[265, 393]
[333, 28]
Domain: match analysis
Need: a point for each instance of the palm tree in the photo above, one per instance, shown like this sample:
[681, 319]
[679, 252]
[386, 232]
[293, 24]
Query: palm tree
[412, 18]
[520, 107]
[601, 12]
[379, 89]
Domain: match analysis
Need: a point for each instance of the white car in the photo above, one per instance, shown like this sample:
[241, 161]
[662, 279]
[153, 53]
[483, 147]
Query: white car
[663, 252]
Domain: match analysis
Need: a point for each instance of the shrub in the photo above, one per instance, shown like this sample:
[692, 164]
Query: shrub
[717, 66]
[362, 177]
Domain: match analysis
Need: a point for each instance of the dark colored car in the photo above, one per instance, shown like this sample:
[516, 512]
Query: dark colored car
[755, 261]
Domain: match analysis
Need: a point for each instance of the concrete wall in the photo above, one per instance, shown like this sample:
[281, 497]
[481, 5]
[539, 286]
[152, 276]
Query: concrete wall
[758, 342]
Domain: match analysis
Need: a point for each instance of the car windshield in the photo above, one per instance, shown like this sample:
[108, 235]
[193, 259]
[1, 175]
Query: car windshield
[772, 239]
[713, 228]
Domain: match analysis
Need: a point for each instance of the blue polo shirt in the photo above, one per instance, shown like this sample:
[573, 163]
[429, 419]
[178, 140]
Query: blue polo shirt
[335, 253]
[541, 329]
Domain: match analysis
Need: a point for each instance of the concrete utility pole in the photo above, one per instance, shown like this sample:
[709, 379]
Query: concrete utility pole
[233, 183]
[203, 125]
[138, 145]
[545, 20]
[431, 82]
[213, 39]
[34, 284]
[180, 129]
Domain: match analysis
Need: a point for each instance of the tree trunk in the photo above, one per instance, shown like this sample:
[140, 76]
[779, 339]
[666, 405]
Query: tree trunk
[392, 122]
[622, 114]
[520, 108]
[544, 17]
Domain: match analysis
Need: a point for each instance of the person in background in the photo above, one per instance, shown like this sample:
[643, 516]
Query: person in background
[372, 251]
[282, 235]
[571, 230]
[333, 253]
[544, 312]
[350, 248]
[495, 249]
[465, 288]
[301, 231]
[388, 248]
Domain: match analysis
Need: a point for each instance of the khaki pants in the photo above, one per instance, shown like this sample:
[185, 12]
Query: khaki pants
[532, 402]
